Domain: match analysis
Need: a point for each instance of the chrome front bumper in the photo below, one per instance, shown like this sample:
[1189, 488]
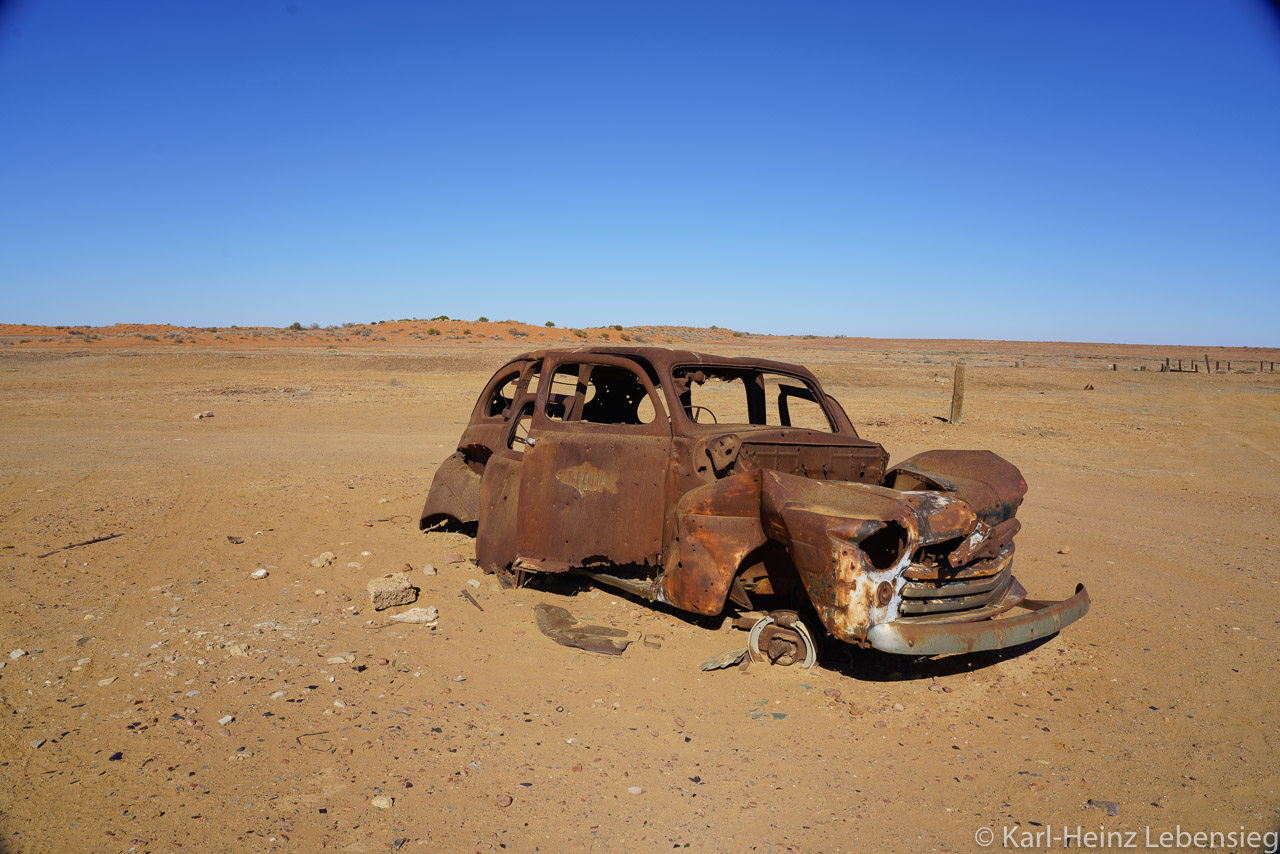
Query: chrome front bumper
[950, 638]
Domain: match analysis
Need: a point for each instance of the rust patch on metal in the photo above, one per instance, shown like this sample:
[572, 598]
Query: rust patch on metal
[587, 478]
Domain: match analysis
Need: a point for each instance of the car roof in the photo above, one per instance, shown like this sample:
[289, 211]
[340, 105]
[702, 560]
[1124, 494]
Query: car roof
[665, 358]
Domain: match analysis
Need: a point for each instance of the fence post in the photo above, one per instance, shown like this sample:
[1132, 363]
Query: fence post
[957, 394]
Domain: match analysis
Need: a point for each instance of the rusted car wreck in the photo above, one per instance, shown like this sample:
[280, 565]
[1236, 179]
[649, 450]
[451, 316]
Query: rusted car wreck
[700, 481]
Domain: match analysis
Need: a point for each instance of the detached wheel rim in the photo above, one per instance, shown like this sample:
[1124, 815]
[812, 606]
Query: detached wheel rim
[781, 637]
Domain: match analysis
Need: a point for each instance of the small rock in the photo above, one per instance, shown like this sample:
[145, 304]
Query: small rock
[897, 707]
[35, 745]
[1109, 807]
[278, 694]
[428, 570]
[1065, 550]
[337, 659]
[259, 573]
[355, 564]
[319, 591]
[116, 757]
[324, 560]
[504, 800]
[240, 650]
[452, 557]
[833, 693]
[417, 616]
[383, 802]
[388, 591]
[17, 653]
[208, 413]
[635, 790]
[226, 719]
[473, 583]
[102, 683]
[383, 500]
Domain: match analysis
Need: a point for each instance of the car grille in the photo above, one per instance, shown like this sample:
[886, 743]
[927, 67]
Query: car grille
[946, 591]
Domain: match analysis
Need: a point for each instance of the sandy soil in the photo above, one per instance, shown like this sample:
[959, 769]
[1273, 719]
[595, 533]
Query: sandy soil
[1157, 490]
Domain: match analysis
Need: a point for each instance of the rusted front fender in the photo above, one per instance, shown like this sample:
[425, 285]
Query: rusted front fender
[1044, 619]
[988, 483]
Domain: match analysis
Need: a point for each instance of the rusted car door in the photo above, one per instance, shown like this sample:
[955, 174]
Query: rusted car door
[500, 486]
[592, 485]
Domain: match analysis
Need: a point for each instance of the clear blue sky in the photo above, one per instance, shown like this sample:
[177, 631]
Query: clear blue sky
[1093, 171]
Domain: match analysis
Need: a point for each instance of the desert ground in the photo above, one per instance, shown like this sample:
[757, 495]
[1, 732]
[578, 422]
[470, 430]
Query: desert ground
[167, 701]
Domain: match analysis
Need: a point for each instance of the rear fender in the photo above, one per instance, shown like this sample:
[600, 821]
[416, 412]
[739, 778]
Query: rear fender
[455, 494]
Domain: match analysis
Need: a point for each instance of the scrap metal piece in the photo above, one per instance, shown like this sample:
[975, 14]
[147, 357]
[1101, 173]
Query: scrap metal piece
[728, 658]
[563, 628]
[78, 545]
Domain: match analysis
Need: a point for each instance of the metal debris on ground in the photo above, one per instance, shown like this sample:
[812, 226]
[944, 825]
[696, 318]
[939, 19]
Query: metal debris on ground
[78, 545]
[563, 628]
[728, 658]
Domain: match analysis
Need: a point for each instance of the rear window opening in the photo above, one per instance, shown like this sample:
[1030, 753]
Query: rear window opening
[746, 396]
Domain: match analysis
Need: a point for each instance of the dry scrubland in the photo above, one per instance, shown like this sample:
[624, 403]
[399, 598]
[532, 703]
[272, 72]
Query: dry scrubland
[1157, 490]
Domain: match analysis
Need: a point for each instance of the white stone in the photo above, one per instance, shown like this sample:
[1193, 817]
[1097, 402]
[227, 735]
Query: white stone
[417, 616]
[259, 573]
[226, 719]
[324, 560]
[17, 653]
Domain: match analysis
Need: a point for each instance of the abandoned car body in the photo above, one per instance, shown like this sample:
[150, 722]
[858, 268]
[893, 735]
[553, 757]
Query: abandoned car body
[697, 481]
